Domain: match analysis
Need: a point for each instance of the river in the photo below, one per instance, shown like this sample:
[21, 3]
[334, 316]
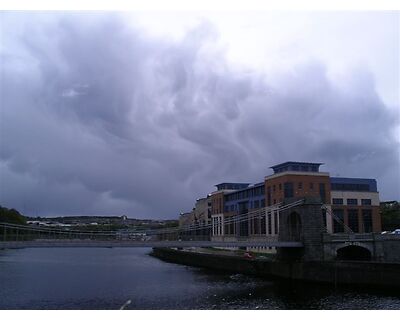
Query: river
[106, 278]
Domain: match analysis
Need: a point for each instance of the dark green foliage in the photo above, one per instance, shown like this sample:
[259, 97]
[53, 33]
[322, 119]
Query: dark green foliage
[390, 212]
[11, 216]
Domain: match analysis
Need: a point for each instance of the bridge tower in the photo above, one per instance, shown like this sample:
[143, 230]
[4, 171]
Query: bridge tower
[304, 223]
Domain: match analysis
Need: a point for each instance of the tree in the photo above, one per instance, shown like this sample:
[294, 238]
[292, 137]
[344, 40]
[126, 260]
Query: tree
[11, 216]
[390, 213]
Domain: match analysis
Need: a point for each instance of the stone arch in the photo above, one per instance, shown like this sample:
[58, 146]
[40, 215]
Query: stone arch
[353, 252]
[359, 244]
[294, 226]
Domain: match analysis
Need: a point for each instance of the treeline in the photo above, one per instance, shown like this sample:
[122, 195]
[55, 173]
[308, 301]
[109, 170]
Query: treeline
[127, 227]
[390, 213]
[11, 216]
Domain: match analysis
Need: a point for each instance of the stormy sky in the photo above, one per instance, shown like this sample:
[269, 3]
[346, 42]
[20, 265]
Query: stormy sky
[107, 113]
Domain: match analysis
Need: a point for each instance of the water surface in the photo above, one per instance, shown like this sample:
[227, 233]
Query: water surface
[101, 278]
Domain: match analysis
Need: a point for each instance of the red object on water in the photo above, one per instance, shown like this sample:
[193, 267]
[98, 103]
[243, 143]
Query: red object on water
[248, 255]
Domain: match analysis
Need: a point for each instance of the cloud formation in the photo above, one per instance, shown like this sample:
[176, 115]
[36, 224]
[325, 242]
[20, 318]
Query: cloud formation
[99, 118]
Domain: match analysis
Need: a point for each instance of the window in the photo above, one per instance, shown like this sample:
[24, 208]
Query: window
[269, 224]
[366, 202]
[251, 224]
[322, 192]
[311, 186]
[280, 186]
[276, 222]
[273, 188]
[300, 185]
[337, 201]
[367, 220]
[227, 229]
[213, 226]
[243, 229]
[256, 204]
[288, 190]
[256, 226]
[262, 203]
[324, 217]
[350, 187]
[274, 201]
[352, 202]
[268, 196]
[353, 219]
[263, 226]
[243, 207]
[338, 225]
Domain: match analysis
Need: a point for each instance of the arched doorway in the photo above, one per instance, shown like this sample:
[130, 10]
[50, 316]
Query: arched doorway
[353, 253]
[294, 224]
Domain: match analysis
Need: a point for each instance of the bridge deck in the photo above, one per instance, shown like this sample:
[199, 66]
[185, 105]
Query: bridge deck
[142, 244]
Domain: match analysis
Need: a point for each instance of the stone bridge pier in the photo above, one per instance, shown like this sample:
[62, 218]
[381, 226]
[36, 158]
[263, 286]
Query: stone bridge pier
[306, 223]
[302, 223]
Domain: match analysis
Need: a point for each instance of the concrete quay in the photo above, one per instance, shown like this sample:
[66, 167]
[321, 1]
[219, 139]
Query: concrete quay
[363, 273]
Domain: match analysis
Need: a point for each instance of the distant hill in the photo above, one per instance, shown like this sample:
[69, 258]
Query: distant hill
[97, 219]
[101, 222]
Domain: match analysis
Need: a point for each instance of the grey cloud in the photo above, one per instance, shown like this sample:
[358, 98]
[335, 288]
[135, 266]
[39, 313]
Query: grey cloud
[98, 118]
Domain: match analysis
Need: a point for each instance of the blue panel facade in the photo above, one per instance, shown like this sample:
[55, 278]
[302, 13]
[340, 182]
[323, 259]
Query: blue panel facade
[245, 199]
[353, 184]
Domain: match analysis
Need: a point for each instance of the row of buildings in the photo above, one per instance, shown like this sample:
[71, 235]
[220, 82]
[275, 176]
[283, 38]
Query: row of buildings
[234, 210]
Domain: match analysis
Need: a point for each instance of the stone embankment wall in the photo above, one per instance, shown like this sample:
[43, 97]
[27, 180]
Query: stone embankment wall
[335, 272]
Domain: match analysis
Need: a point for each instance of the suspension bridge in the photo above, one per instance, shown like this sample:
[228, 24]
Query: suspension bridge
[301, 226]
[28, 236]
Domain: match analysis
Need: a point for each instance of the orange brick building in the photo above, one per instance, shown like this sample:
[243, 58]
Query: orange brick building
[350, 203]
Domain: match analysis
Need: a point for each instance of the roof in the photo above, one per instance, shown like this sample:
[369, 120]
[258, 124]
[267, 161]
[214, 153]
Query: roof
[231, 186]
[296, 166]
[284, 164]
[239, 183]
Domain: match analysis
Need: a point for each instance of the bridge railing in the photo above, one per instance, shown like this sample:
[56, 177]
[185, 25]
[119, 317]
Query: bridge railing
[331, 237]
[195, 232]
[13, 232]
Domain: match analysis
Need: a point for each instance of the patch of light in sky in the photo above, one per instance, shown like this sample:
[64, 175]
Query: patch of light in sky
[276, 41]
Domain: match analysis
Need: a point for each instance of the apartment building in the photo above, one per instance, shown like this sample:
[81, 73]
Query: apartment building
[355, 202]
[351, 203]
[197, 219]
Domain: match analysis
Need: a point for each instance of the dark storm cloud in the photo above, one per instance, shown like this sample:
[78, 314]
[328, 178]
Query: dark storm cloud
[98, 118]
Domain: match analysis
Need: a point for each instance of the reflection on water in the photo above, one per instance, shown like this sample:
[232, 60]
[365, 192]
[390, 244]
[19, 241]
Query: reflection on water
[100, 278]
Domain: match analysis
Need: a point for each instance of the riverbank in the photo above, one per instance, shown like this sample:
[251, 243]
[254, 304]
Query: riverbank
[335, 272]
